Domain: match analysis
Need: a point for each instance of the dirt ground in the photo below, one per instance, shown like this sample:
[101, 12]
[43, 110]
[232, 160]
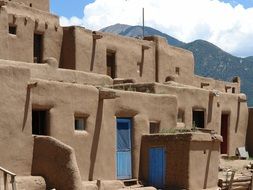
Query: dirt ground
[241, 167]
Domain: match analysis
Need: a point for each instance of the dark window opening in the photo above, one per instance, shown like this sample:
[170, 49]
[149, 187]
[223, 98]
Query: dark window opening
[110, 63]
[204, 85]
[39, 122]
[198, 118]
[154, 127]
[233, 90]
[177, 70]
[12, 29]
[37, 48]
[80, 123]
[180, 116]
[224, 133]
[31, 4]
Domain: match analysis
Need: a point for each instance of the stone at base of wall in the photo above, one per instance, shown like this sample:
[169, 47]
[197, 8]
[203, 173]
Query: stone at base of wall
[213, 188]
[30, 183]
[104, 185]
[139, 188]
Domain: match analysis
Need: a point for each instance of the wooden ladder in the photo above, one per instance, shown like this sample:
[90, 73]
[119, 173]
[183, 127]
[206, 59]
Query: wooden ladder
[5, 175]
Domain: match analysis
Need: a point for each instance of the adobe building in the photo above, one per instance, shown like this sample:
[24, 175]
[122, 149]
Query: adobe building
[79, 108]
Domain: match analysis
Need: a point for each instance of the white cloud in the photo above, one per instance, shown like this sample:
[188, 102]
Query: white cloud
[230, 28]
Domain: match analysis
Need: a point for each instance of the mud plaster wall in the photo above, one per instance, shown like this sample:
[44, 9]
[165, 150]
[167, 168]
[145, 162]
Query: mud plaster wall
[56, 162]
[41, 4]
[96, 146]
[49, 71]
[203, 164]
[191, 98]
[190, 164]
[142, 109]
[16, 137]
[216, 84]
[63, 101]
[28, 21]
[90, 55]
[169, 58]
[249, 139]
[177, 161]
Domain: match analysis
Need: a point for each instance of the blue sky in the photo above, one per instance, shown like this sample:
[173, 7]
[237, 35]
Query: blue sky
[69, 8]
[225, 23]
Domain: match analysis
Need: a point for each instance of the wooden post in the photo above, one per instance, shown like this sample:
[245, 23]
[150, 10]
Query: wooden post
[231, 180]
[13, 182]
[5, 181]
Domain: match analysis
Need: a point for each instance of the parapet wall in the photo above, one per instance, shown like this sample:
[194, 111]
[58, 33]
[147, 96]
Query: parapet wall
[191, 159]
[16, 134]
[56, 162]
[249, 139]
[19, 44]
[37, 4]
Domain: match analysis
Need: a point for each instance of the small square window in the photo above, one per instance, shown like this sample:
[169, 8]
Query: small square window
[233, 90]
[80, 123]
[12, 29]
[154, 127]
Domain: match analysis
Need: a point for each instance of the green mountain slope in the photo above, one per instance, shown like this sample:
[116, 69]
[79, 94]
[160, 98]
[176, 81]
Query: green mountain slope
[210, 60]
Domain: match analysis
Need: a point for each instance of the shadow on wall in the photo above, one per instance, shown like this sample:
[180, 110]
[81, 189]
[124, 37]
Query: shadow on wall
[249, 139]
[93, 52]
[94, 146]
[26, 108]
[56, 162]
[208, 165]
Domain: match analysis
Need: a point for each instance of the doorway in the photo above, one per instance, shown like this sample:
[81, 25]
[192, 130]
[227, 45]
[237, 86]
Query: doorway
[198, 118]
[157, 165]
[40, 122]
[224, 133]
[38, 48]
[111, 63]
[124, 148]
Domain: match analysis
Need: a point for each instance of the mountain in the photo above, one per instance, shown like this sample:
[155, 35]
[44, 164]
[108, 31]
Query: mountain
[210, 60]
[136, 31]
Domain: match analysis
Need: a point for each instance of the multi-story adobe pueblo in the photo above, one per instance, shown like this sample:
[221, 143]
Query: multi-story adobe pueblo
[90, 110]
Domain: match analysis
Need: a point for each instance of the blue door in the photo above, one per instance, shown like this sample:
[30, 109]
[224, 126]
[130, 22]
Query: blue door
[124, 155]
[157, 167]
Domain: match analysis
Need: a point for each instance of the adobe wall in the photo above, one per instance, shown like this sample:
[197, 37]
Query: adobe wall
[50, 71]
[204, 164]
[16, 135]
[169, 59]
[249, 139]
[191, 159]
[232, 104]
[89, 55]
[190, 98]
[41, 4]
[28, 21]
[97, 144]
[56, 162]
[143, 108]
[223, 86]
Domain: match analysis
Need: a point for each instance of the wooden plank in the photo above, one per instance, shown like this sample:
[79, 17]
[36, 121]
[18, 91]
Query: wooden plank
[251, 183]
[8, 172]
[5, 182]
[231, 180]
